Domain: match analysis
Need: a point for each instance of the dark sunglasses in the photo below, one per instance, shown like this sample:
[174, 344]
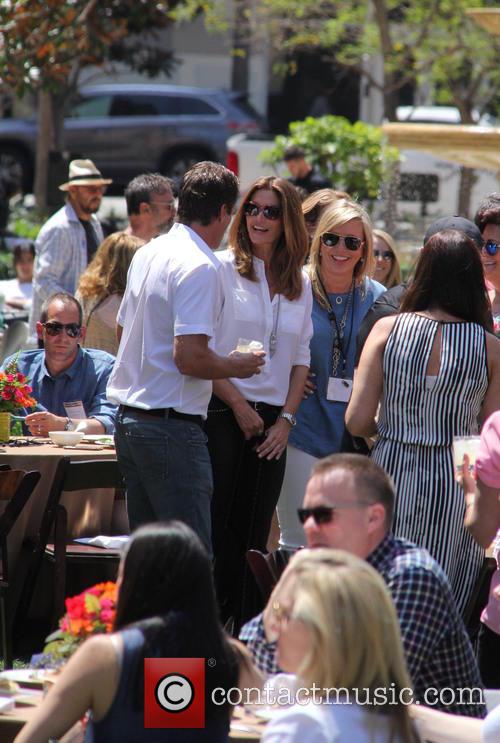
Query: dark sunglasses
[55, 328]
[324, 514]
[330, 239]
[385, 254]
[253, 210]
[491, 247]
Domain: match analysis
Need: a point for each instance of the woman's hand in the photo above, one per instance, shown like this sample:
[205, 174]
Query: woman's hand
[248, 419]
[309, 386]
[465, 478]
[276, 440]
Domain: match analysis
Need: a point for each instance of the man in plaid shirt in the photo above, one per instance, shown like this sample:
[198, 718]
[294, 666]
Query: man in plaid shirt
[349, 504]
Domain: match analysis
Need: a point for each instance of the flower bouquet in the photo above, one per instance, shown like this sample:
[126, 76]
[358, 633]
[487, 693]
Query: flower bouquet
[14, 394]
[91, 612]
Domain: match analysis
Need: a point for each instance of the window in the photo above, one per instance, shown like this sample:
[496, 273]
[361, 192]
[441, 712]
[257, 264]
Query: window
[97, 107]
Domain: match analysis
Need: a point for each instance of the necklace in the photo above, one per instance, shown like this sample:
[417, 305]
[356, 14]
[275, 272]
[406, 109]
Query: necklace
[273, 338]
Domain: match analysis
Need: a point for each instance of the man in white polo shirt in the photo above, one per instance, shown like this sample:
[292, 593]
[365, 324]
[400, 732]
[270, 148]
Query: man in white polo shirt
[164, 367]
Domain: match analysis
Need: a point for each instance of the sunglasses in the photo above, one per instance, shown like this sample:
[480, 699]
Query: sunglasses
[56, 328]
[324, 514]
[270, 212]
[386, 255]
[491, 247]
[330, 239]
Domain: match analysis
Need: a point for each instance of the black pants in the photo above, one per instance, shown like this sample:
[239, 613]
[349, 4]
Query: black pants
[246, 490]
[489, 657]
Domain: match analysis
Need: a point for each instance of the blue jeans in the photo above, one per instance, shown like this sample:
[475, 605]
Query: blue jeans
[167, 471]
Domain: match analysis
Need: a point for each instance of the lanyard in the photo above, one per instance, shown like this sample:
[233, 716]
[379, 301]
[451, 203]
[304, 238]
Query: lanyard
[339, 350]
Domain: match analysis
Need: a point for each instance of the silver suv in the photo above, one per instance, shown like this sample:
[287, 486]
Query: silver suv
[127, 129]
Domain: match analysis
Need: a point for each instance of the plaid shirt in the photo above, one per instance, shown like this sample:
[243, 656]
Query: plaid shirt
[438, 651]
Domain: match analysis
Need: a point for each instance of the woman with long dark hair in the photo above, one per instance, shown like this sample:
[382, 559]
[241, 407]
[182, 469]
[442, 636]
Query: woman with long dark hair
[267, 300]
[166, 609]
[435, 369]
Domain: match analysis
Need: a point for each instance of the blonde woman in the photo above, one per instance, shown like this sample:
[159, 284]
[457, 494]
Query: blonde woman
[387, 269]
[341, 263]
[101, 288]
[338, 632]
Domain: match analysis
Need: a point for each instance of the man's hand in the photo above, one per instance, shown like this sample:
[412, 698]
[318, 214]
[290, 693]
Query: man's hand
[247, 364]
[39, 424]
[248, 419]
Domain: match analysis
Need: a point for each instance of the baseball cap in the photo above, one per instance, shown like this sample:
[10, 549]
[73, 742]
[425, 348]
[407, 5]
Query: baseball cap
[455, 223]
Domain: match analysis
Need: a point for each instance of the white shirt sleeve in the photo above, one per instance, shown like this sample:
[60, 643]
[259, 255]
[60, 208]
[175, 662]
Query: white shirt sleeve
[301, 725]
[303, 355]
[196, 302]
[491, 727]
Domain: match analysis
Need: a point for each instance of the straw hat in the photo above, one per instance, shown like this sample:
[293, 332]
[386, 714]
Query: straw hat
[84, 173]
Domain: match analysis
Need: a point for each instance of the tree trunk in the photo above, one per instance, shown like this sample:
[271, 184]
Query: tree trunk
[44, 144]
[467, 180]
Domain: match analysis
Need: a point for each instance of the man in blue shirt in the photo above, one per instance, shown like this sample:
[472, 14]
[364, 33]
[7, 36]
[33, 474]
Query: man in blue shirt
[63, 373]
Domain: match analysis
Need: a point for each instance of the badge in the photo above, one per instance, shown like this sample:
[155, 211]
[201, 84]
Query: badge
[339, 390]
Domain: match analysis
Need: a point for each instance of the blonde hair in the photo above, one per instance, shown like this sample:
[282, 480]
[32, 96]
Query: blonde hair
[107, 272]
[394, 275]
[333, 216]
[355, 640]
[289, 252]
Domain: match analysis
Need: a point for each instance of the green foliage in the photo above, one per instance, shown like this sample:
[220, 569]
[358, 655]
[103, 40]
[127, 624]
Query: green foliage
[354, 156]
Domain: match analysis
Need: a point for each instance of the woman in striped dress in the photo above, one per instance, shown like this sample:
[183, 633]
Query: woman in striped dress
[436, 371]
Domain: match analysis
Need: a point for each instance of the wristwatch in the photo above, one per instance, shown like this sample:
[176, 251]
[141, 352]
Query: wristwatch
[70, 426]
[289, 417]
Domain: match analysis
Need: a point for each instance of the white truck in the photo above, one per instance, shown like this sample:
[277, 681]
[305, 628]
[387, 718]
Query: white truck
[429, 185]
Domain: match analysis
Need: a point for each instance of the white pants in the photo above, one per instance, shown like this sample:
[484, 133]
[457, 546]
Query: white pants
[298, 469]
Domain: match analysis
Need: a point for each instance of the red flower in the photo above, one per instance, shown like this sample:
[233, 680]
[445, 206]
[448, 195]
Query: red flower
[6, 395]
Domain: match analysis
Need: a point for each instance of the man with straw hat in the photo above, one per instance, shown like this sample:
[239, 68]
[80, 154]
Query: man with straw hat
[69, 239]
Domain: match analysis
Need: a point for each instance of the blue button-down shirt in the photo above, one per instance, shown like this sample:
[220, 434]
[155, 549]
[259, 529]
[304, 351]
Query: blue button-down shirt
[84, 380]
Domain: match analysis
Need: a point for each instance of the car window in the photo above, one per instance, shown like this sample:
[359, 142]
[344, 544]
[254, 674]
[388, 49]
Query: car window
[187, 106]
[161, 105]
[96, 107]
[136, 105]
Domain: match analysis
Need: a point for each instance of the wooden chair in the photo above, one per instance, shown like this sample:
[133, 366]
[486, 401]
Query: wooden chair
[16, 487]
[71, 477]
[479, 597]
[267, 568]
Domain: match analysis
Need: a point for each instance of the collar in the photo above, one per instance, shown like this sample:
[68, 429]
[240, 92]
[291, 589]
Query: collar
[382, 551]
[70, 372]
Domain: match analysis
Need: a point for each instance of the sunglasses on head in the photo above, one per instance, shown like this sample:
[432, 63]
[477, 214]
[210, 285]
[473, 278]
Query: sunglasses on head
[253, 210]
[385, 254]
[491, 247]
[55, 328]
[324, 514]
[331, 239]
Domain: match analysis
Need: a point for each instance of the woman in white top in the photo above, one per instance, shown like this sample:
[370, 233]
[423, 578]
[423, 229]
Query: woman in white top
[267, 299]
[339, 633]
[18, 292]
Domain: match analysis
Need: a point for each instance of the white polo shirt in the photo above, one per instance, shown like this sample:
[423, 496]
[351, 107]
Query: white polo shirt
[173, 288]
[249, 313]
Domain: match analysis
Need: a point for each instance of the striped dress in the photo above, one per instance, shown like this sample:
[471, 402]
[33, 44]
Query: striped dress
[419, 417]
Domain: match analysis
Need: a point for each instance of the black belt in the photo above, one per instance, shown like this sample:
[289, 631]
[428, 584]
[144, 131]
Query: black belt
[162, 413]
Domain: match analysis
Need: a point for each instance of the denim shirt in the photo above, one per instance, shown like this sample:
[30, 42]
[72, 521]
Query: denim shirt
[84, 380]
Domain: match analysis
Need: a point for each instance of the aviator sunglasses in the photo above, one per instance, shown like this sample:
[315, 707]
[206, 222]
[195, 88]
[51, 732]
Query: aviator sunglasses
[324, 514]
[270, 212]
[55, 328]
[491, 247]
[330, 239]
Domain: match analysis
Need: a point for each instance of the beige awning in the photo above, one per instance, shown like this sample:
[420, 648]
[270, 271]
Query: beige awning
[472, 146]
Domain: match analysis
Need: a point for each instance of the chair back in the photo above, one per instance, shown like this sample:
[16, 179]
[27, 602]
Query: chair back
[267, 568]
[16, 487]
[15, 336]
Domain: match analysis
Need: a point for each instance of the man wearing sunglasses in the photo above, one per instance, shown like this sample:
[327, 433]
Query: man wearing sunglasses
[487, 219]
[64, 374]
[349, 504]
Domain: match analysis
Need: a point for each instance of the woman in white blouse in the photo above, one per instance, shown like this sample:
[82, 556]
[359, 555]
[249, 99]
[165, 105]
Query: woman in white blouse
[267, 300]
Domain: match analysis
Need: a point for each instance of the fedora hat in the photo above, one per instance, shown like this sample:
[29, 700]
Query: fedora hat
[84, 173]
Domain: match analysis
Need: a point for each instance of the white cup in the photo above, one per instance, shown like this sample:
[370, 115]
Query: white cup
[465, 445]
[247, 346]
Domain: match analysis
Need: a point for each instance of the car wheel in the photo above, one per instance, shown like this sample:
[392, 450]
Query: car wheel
[176, 164]
[16, 173]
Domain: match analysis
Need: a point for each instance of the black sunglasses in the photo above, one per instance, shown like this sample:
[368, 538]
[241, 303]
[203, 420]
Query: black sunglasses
[55, 328]
[330, 239]
[385, 254]
[491, 247]
[324, 514]
[270, 212]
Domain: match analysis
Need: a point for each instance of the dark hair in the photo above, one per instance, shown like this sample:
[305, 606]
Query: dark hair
[488, 211]
[290, 251]
[21, 249]
[372, 482]
[449, 276]
[204, 190]
[167, 591]
[139, 190]
[293, 152]
[65, 298]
